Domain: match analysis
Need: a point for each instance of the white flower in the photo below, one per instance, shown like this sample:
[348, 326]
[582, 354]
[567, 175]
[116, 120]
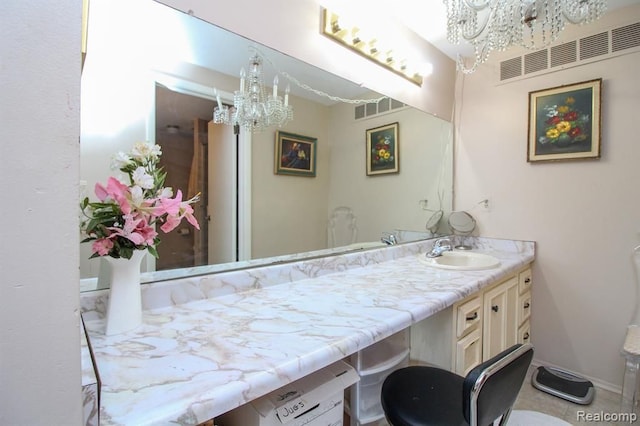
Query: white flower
[120, 160]
[137, 196]
[144, 150]
[142, 178]
[166, 192]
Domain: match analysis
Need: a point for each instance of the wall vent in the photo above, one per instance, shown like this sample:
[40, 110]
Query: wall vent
[511, 68]
[625, 37]
[536, 61]
[596, 47]
[383, 106]
[563, 54]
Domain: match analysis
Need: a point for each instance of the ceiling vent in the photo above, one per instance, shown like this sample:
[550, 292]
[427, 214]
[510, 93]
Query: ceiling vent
[376, 108]
[596, 47]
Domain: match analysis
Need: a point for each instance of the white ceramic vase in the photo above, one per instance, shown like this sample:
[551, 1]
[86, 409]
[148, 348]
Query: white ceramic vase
[124, 311]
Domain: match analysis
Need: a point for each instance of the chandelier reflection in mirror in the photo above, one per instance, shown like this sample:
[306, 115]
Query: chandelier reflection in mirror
[498, 24]
[252, 108]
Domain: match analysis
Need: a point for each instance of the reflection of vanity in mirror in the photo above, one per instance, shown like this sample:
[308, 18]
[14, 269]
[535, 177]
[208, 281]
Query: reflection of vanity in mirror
[256, 216]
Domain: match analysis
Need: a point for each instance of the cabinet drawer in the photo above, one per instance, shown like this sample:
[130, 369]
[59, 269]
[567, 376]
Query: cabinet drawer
[524, 333]
[468, 316]
[468, 352]
[524, 280]
[524, 307]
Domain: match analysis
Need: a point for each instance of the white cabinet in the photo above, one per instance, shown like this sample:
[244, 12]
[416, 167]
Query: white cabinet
[490, 321]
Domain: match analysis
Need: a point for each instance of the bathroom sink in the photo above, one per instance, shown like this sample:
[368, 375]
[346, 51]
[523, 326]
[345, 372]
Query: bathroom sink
[461, 261]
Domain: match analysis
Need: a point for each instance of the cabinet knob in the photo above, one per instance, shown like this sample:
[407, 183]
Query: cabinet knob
[494, 308]
[526, 305]
[527, 280]
[526, 336]
[472, 317]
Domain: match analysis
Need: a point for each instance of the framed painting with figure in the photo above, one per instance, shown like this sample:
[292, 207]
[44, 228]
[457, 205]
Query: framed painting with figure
[382, 150]
[564, 122]
[295, 155]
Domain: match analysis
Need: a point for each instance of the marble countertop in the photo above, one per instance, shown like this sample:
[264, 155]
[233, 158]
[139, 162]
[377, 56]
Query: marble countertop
[192, 361]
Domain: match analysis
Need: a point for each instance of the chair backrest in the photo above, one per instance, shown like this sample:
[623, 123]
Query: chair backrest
[342, 227]
[491, 388]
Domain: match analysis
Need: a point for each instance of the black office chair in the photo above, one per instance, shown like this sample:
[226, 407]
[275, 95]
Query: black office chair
[421, 395]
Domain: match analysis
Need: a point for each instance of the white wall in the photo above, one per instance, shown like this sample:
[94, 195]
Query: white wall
[39, 284]
[583, 215]
[289, 213]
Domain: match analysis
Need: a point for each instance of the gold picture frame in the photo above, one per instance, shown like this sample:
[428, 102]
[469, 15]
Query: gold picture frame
[565, 122]
[295, 155]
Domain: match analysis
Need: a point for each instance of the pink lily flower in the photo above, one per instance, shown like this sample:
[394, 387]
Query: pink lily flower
[188, 214]
[170, 224]
[170, 206]
[177, 209]
[117, 191]
[135, 230]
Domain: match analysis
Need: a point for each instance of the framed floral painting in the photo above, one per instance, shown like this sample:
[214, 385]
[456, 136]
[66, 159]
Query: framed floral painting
[382, 150]
[295, 155]
[564, 122]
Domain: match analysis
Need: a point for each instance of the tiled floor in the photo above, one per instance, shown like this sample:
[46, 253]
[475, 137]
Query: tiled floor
[533, 399]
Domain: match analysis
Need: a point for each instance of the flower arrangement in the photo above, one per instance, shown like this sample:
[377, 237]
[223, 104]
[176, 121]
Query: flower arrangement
[565, 125]
[125, 217]
[382, 151]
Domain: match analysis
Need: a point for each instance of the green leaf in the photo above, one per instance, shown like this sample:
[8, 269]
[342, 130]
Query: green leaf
[153, 251]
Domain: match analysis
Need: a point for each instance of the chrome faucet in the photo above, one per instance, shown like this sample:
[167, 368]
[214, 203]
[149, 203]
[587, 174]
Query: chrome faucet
[440, 246]
[389, 239]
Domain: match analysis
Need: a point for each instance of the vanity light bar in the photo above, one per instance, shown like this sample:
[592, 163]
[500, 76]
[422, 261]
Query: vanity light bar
[370, 47]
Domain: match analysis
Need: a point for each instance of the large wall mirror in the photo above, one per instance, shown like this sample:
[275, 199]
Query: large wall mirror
[150, 74]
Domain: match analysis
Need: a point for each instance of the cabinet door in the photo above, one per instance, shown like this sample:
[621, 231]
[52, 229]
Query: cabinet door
[468, 352]
[500, 318]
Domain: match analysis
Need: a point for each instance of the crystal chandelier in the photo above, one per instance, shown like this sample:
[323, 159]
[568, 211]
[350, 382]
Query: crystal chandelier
[252, 108]
[498, 24]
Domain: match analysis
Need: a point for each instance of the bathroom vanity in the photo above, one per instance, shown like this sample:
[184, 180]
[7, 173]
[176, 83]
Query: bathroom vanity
[477, 327]
[212, 343]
